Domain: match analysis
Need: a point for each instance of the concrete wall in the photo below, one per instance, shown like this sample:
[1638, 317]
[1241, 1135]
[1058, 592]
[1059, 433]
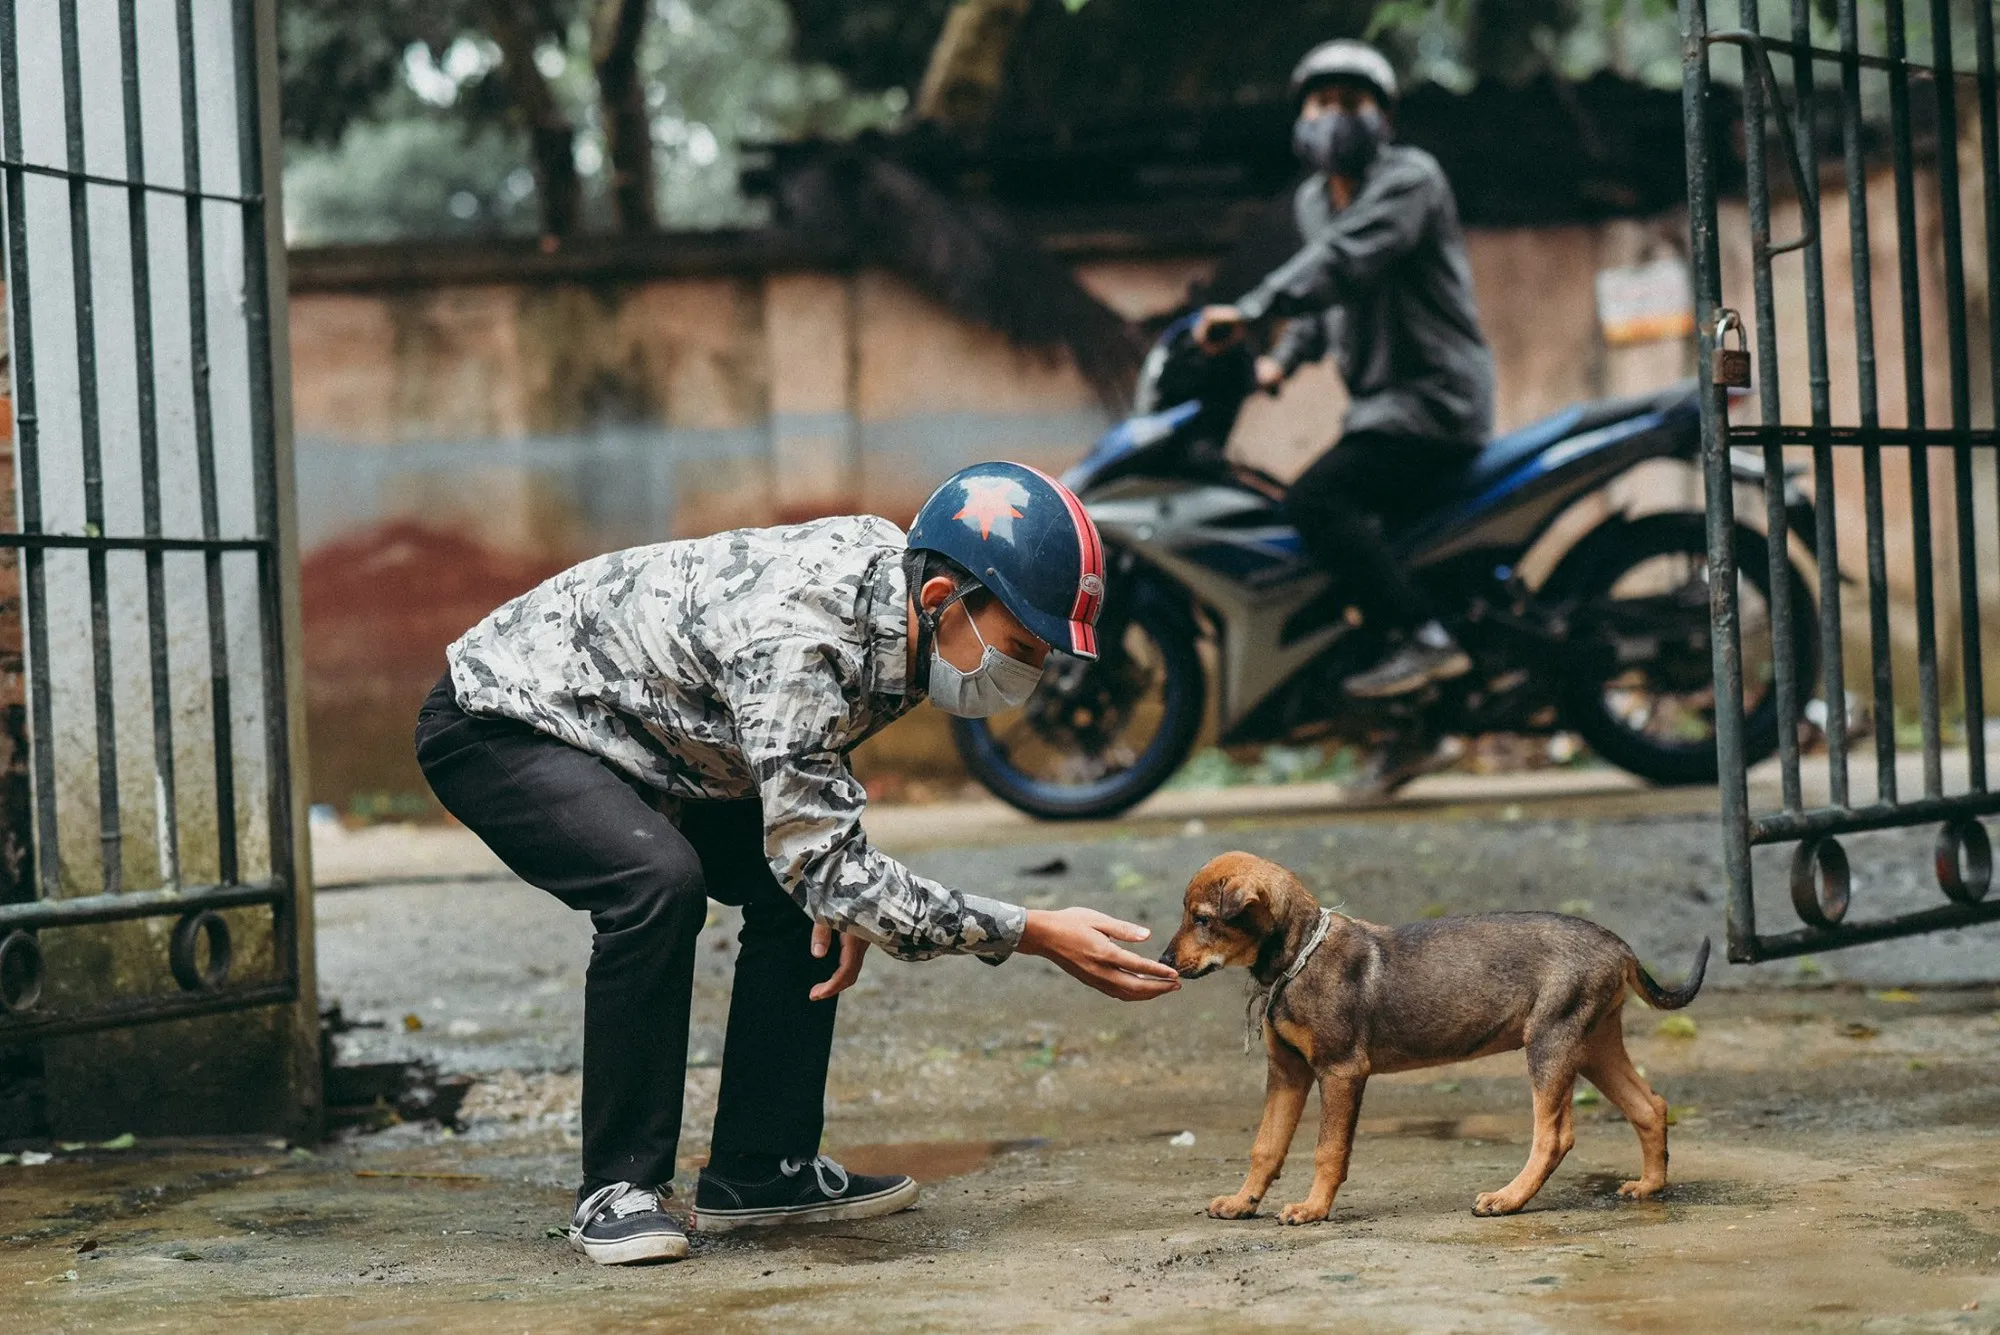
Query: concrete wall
[458, 441]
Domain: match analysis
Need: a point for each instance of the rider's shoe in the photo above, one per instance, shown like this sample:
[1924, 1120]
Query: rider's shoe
[620, 1224]
[1422, 659]
[798, 1191]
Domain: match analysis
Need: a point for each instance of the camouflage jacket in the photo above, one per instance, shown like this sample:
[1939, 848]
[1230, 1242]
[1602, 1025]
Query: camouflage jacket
[741, 665]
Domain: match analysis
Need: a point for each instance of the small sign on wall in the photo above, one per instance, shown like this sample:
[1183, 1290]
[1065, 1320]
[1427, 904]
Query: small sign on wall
[1645, 303]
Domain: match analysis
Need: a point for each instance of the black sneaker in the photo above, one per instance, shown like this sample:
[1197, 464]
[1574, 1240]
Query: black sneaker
[1411, 668]
[794, 1196]
[622, 1224]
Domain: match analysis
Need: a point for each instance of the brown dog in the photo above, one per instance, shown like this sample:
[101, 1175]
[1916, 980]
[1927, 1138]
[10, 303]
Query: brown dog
[1369, 999]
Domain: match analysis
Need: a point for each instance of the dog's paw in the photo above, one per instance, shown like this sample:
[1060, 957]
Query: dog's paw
[1640, 1190]
[1489, 1203]
[1303, 1212]
[1231, 1207]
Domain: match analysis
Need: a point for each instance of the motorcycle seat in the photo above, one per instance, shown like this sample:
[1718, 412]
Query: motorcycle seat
[1503, 454]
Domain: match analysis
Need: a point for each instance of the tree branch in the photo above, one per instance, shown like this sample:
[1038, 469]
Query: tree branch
[551, 137]
[616, 30]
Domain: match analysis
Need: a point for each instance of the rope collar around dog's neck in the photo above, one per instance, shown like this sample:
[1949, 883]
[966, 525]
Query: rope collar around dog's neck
[1269, 996]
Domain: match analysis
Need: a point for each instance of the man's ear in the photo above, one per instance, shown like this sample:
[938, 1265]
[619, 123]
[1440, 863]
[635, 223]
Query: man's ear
[934, 591]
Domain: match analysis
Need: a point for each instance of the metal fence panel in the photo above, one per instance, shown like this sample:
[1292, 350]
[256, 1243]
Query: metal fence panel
[132, 143]
[1910, 97]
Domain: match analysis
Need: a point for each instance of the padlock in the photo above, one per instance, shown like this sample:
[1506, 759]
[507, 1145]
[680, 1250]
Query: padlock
[1730, 367]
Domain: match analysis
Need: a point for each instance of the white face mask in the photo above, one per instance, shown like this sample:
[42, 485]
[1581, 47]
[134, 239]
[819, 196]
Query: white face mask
[998, 683]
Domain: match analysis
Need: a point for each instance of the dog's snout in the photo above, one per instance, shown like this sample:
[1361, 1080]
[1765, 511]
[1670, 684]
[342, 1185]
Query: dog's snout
[1167, 956]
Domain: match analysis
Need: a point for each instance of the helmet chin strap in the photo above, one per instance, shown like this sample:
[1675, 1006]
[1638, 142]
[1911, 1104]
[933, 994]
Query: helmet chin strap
[927, 619]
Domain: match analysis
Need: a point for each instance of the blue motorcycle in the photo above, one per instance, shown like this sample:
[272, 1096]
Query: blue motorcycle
[1207, 577]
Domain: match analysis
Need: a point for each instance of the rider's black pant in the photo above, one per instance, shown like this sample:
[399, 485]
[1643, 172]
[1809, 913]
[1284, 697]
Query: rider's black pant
[1341, 502]
[564, 820]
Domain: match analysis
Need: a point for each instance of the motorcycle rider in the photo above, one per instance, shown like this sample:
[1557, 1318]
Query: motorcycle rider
[666, 724]
[1382, 281]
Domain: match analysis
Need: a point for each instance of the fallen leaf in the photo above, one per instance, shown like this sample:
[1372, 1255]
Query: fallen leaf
[1435, 911]
[72, 1146]
[1857, 1029]
[411, 1023]
[1893, 994]
[87, 1245]
[1576, 908]
[187, 1256]
[1676, 1112]
[1678, 1026]
[558, 1231]
[119, 1142]
[1585, 1097]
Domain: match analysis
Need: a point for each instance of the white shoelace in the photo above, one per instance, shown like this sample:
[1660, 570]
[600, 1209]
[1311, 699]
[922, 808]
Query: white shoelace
[621, 1198]
[832, 1177]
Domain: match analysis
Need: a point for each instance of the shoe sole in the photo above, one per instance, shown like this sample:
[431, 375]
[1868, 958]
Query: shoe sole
[634, 1251]
[899, 1197]
[1448, 671]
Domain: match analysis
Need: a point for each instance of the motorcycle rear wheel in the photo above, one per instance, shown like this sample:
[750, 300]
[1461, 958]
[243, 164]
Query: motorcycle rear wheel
[1073, 724]
[1656, 718]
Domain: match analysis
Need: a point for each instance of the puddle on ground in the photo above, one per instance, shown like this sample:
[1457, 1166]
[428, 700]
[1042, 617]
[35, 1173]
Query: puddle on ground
[1479, 1126]
[931, 1160]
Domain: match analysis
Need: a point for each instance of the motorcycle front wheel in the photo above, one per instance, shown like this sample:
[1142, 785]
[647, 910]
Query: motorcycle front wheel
[1097, 738]
[1643, 694]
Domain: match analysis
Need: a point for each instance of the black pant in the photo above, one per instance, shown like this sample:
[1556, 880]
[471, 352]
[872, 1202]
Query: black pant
[1368, 477]
[566, 821]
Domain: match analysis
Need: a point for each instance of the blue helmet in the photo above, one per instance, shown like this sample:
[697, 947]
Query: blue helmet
[1026, 537]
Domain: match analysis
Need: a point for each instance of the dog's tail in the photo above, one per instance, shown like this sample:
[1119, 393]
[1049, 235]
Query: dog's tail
[1660, 998]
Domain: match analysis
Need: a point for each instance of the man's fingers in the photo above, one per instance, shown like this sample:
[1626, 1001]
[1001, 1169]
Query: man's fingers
[1126, 962]
[822, 940]
[1120, 930]
[852, 951]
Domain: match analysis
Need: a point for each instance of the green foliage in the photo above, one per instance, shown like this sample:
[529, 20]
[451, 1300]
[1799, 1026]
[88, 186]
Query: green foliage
[1457, 42]
[399, 123]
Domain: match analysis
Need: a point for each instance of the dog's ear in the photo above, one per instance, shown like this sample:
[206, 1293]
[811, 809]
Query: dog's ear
[1245, 899]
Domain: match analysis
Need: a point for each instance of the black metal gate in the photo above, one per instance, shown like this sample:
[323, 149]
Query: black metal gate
[1890, 96]
[150, 505]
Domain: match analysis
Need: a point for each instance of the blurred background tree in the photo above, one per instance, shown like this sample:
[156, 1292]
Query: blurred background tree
[555, 117]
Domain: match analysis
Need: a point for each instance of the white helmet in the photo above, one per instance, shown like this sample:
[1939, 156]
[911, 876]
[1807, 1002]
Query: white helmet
[1345, 58]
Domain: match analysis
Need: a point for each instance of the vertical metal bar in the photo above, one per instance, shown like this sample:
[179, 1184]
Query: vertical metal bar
[263, 462]
[1827, 539]
[1720, 484]
[27, 462]
[1861, 267]
[1757, 187]
[1989, 144]
[109, 836]
[204, 448]
[1951, 224]
[166, 816]
[1913, 386]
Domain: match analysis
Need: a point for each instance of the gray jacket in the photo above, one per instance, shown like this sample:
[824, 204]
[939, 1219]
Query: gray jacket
[741, 665]
[1384, 283]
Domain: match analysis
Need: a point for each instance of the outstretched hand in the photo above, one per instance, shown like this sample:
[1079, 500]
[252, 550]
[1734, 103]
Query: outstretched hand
[1083, 943]
[852, 948]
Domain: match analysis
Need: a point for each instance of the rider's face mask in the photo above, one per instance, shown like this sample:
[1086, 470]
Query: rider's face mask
[998, 683]
[1340, 142]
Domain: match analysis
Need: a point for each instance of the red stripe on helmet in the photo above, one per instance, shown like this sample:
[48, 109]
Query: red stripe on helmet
[1091, 549]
